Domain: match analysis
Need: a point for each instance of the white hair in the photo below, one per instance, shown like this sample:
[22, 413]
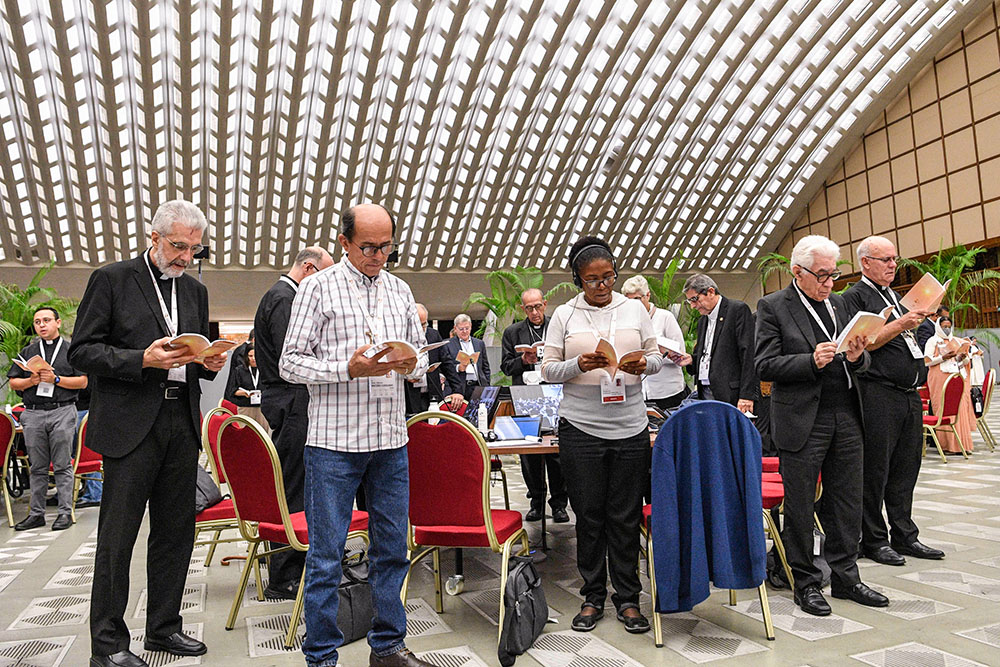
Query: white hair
[635, 285]
[462, 317]
[180, 212]
[809, 247]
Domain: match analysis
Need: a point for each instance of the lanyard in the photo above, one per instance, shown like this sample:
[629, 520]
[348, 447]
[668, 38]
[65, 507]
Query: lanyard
[168, 315]
[893, 303]
[254, 376]
[531, 332]
[812, 311]
[295, 285]
[55, 353]
[611, 331]
[375, 324]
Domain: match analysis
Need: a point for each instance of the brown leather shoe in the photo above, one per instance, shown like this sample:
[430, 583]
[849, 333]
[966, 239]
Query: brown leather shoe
[404, 658]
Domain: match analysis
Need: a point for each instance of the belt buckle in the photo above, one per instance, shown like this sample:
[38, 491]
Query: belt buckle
[172, 393]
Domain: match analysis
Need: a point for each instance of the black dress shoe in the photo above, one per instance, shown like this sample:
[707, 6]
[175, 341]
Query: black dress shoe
[560, 515]
[52, 501]
[885, 555]
[533, 515]
[811, 600]
[33, 521]
[587, 622]
[176, 644]
[282, 591]
[861, 594]
[918, 550]
[62, 522]
[404, 658]
[634, 624]
[120, 659]
[81, 504]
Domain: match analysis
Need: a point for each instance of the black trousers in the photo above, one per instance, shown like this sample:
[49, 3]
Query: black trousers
[893, 450]
[670, 402]
[160, 471]
[533, 467]
[834, 448]
[286, 409]
[605, 479]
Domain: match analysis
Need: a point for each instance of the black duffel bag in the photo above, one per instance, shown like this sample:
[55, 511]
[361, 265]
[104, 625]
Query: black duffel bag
[355, 613]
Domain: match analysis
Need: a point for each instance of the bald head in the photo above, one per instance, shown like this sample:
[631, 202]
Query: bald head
[366, 235]
[877, 256]
[422, 314]
[533, 304]
[309, 261]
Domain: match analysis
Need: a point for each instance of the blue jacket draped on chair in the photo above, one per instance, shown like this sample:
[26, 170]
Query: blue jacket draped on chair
[706, 521]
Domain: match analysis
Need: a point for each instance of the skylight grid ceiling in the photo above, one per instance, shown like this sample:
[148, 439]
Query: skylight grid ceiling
[496, 132]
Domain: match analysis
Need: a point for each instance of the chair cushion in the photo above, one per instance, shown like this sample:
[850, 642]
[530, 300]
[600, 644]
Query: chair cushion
[931, 420]
[218, 512]
[275, 532]
[647, 513]
[771, 477]
[769, 463]
[88, 467]
[505, 523]
[771, 494]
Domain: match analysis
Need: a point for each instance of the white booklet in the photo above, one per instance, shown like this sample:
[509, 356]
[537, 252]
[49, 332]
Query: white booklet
[865, 324]
[926, 294]
[605, 346]
[401, 350]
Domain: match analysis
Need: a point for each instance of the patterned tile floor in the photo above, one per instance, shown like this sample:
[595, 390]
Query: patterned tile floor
[943, 612]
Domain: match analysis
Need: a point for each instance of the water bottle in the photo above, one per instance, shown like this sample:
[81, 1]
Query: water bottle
[483, 418]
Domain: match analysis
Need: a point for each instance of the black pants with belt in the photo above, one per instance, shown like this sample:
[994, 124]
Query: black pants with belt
[893, 450]
[605, 480]
[286, 409]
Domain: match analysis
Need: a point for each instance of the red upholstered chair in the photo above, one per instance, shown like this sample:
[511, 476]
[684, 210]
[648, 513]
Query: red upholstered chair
[769, 464]
[989, 383]
[251, 467]
[228, 405]
[496, 465]
[450, 504]
[925, 397]
[6, 444]
[86, 462]
[221, 516]
[951, 399]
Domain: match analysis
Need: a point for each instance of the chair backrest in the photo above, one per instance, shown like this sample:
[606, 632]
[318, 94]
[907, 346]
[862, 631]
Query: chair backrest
[925, 393]
[449, 473]
[951, 395]
[84, 454]
[989, 382]
[229, 405]
[210, 426]
[250, 464]
[6, 442]
[445, 406]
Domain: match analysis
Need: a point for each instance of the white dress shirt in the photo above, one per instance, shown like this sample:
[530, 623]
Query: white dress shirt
[705, 362]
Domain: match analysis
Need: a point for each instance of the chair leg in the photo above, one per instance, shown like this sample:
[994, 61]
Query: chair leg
[961, 445]
[293, 621]
[405, 589]
[937, 443]
[732, 597]
[6, 502]
[438, 598]
[819, 526]
[211, 548]
[256, 573]
[506, 494]
[244, 579]
[765, 609]
[984, 430]
[504, 561]
[657, 627]
[780, 547]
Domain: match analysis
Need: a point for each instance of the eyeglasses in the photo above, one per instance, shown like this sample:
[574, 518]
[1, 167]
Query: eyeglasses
[823, 277]
[533, 308]
[44, 320]
[603, 282]
[184, 247]
[691, 300]
[886, 260]
[370, 250]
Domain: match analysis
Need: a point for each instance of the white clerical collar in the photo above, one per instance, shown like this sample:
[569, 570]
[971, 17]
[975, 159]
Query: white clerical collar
[714, 315]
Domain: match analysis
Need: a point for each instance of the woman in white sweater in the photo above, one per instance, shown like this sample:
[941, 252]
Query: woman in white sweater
[603, 437]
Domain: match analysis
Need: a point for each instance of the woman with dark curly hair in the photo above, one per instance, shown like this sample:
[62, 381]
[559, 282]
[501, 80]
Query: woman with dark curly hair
[603, 437]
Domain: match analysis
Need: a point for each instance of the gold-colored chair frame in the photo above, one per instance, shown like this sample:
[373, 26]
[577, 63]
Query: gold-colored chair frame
[984, 428]
[248, 530]
[8, 446]
[931, 429]
[78, 477]
[495, 545]
[218, 525]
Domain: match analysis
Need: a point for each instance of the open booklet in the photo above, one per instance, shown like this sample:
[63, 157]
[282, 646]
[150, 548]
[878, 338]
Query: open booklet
[926, 294]
[670, 345]
[605, 346]
[958, 345]
[537, 345]
[33, 365]
[199, 345]
[464, 357]
[865, 324]
[401, 350]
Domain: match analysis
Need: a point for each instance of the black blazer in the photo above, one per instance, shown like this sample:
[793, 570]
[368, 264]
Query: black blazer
[510, 359]
[731, 374]
[433, 377]
[784, 357]
[924, 332]
[118, 318]
[454, 382]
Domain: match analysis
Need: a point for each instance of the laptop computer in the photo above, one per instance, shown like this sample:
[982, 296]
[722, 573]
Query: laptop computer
[539, 400]
[488, 396]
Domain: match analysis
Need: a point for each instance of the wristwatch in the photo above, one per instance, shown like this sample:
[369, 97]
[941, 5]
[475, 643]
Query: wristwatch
[56, 381]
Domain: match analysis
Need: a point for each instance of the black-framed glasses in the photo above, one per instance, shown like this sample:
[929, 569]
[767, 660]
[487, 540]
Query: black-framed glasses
[601, 282]
[370, 250]
[534, 307]
[691, 300]
[184, 247]
[823, 276]
[885, 260]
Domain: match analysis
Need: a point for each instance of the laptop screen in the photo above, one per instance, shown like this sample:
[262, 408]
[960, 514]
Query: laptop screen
[483, 396]
[539, 400]
[529, 425]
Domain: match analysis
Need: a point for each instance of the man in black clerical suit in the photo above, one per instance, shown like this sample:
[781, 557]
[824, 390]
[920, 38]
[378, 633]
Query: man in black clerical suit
[531, 331]
[926, 329]
[145, 421]
[460, 378]
[420, 393]
[722, 359]
[285, 407]
[893, 412]
[817, 422]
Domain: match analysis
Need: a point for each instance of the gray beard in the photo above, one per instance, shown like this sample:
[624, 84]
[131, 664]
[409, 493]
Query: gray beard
[164, 266]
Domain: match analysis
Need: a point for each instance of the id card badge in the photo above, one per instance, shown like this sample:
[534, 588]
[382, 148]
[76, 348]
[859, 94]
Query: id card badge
[382, 386]
[255, 397]
[704, 365]
[613, 389]
[421, 382]
[45, 389]
[915, 350]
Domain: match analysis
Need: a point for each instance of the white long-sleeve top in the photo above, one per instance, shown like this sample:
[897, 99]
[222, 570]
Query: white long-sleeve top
[670, 380]
[327, 325]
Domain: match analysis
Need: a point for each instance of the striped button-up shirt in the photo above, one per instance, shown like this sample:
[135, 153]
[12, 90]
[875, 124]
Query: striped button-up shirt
[326, 327]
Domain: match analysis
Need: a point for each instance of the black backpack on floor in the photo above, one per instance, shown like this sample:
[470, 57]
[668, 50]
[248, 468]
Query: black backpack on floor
[525, 610]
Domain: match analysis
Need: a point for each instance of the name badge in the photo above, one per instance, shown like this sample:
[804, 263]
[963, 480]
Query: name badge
[421, 382]
[532, 377]
[613, 389]
[45, 389]
[255, 397]
[704, 364]
[915, 350]
[382, 386]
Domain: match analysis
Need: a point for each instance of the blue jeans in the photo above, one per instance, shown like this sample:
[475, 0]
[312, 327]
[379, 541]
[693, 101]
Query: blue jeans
[332, 480]
[92, 487]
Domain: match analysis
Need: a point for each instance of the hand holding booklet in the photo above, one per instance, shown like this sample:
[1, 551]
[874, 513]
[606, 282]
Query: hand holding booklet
[615, 362]
[400, 350]
[537, 345]
[864, 324]
[199, 345]
[33, 365]
[925, 295]
[464, 357]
